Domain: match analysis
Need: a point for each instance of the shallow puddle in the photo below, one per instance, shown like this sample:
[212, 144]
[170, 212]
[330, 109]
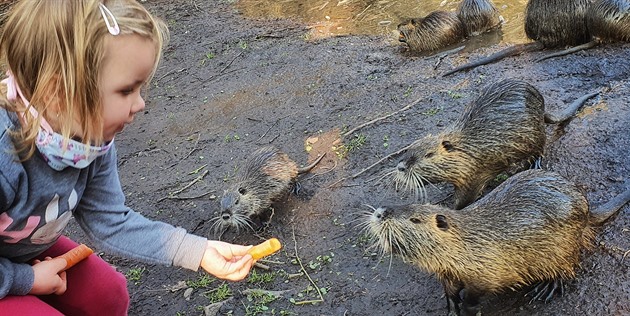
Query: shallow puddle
[327, 18]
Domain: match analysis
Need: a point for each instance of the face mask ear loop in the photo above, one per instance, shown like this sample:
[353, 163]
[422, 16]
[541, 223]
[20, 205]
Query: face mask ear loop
[107, 16]
[13, 90]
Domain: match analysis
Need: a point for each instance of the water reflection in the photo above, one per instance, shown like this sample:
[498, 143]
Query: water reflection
[328, 18]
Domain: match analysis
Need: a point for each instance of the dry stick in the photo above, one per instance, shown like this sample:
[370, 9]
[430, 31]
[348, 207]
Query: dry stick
[270, 127]
[189, 153]
[230, 63]
[172, 194]
[297, 257]
[374, 164]
[189, 197]
[380, 118]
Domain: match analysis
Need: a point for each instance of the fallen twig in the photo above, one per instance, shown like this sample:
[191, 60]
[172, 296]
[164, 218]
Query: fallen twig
[381, 118]
[231, 61]
[173, 194]
[297, 257]
[373, 165]
[188, 197]
[266, 292]
[261, 266]
[189, 153]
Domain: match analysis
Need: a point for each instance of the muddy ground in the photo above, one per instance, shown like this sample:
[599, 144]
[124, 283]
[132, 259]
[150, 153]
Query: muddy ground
[228, 84]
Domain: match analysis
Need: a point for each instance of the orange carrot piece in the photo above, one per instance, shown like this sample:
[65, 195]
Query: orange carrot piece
[75, 255]
[266, 248]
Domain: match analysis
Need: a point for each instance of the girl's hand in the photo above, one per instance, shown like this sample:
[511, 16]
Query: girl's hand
[49, 277]
[227, 261]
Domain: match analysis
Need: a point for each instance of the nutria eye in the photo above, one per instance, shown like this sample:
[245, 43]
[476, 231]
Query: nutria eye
[441, 222]
[447, 145]
[415, 220]
[428, 155]
[242, 191]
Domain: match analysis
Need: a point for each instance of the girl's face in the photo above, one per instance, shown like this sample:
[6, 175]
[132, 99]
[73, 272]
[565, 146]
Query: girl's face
[129, 61]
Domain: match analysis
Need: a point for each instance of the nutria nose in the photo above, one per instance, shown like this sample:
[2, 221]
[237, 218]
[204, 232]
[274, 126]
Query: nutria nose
[381, 212]
[402, 166]
[226, 216]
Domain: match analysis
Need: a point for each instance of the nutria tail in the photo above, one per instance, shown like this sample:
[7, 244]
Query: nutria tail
[312, 165]
[510, 51]
[571, 50]
[569, 113]
[605, 211]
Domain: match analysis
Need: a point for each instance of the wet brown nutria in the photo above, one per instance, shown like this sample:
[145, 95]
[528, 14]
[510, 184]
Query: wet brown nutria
[607, 21]
[503, 127]
[437, 30]
[478, 16]
[267, 175]
[550, 23]
[529, 230]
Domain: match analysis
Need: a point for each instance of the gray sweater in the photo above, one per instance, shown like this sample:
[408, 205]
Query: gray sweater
[36, 203]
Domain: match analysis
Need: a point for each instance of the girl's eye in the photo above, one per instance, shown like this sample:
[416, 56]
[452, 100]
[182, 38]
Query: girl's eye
[127, 91]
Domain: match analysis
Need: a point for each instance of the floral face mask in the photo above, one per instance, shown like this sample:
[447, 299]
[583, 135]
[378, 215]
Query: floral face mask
[58, 151]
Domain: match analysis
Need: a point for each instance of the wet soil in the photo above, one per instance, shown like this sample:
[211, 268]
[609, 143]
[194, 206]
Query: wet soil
[229, 84]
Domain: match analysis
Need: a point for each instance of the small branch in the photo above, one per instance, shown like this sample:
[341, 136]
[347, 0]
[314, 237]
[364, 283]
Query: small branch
[188, 197]
[297, 257]
[261, 266]
[173, 194]
[189, 153]
[381, 118]
[230, 63]
[374, 164]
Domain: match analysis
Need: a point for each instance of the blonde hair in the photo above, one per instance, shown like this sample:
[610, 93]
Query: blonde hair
[55, 50]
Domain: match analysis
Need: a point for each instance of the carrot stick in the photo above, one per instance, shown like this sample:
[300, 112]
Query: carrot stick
[74, 255]
[266, 248]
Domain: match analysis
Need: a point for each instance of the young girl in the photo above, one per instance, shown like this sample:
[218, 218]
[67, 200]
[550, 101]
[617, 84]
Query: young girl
[75, 72]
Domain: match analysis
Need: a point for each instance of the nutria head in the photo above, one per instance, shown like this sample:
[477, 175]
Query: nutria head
[435, 159]
[267, 174]
[435, 31]
[414, 232]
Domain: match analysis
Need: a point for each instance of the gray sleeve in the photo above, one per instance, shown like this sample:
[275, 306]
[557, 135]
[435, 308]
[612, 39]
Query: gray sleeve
[118, 229]
[15, 278]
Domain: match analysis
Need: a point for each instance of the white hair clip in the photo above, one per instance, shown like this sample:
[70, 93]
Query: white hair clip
[107, 15]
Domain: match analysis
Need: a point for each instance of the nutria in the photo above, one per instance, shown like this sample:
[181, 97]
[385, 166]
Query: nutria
[607, 21]
[550, 24]
[503, 127]
[436, 30]
[267, 175]
[478, 16]
[528, 230]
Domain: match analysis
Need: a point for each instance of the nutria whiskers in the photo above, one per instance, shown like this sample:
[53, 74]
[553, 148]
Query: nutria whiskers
[267, 175]
[528, 230]
[503, 127]
[550, 24]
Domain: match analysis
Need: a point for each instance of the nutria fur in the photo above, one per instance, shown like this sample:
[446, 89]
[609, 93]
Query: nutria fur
[503, 127]
[530, 229]
[478, 16]
[437, 30]
[267, 175]
[606, 21]
[545, 24]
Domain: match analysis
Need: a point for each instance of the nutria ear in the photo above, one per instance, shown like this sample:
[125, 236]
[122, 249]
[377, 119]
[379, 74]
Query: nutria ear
[441, 222]
[447, 145]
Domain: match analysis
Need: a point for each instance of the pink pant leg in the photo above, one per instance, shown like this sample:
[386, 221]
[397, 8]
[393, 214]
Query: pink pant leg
[94, 287]
[27, 305]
